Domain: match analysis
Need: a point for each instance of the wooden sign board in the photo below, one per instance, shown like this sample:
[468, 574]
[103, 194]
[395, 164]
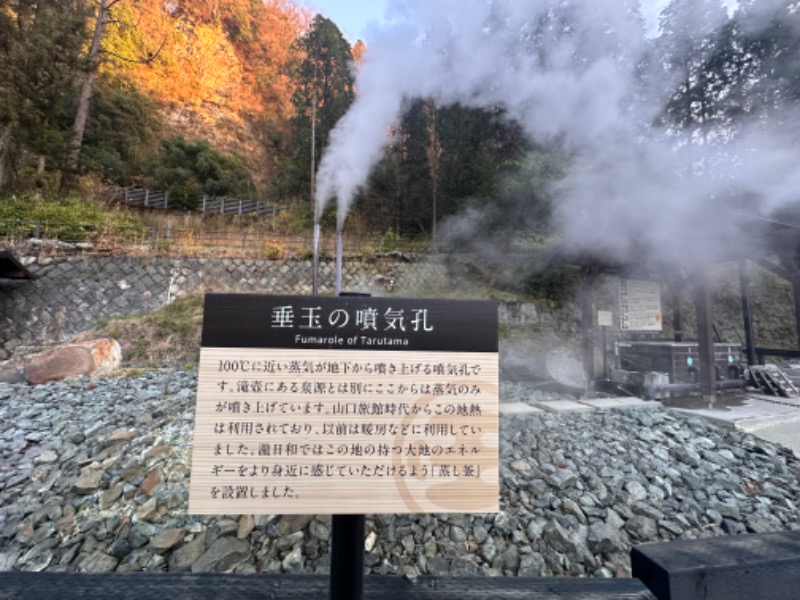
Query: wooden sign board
[348, 405]
[640, 305]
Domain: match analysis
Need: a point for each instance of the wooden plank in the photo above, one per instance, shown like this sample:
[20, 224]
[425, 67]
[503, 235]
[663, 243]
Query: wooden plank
[762, 381]
[157, 586]
[739, 567]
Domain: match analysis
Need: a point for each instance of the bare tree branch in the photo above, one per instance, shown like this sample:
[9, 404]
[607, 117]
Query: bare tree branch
[151, 56]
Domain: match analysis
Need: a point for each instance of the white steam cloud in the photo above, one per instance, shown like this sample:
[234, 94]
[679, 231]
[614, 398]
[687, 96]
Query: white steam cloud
[577, 80]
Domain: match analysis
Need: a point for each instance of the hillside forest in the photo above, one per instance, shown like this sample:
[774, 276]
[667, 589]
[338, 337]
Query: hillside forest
[221, 97]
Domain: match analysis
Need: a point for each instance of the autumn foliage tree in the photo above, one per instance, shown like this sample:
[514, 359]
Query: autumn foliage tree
[223, 72]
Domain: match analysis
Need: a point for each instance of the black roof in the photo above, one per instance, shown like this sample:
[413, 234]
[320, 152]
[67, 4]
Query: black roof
[11, 268]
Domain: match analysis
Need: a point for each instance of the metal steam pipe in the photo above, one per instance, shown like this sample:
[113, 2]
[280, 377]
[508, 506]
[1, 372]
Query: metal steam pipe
[315, 263]
[339, 252]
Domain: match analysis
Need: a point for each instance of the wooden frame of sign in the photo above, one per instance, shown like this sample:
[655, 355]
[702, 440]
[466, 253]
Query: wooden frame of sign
[349, 405]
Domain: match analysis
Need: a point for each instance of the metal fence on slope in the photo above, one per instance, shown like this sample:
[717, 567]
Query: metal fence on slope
[147, 198]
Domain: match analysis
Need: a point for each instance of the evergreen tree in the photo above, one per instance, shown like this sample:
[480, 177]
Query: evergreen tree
[690, 30]
[323, 95]
[188, 170]
[450, 154]
[121, 138]
[769, 41]
[40, 47]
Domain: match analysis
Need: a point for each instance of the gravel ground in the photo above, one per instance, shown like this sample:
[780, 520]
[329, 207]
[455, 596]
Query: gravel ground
[94, 477]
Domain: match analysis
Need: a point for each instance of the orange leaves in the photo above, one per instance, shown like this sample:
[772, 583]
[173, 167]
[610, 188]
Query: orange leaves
[359, 49]
[235, 56]
[223, 70]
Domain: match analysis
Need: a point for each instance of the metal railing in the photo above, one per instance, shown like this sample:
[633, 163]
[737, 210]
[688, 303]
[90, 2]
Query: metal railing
[147, 198]
[134, 196]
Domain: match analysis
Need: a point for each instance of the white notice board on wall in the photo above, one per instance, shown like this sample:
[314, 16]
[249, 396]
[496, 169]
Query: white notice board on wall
[640, 305]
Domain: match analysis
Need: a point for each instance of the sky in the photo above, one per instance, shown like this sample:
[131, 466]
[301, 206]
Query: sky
[353, 16]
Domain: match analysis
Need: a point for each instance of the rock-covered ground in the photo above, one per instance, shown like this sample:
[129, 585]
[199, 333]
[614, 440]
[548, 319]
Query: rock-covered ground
[94, 477]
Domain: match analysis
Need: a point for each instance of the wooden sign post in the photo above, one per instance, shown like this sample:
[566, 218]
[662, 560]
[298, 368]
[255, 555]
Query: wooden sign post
[605, 319]
[349, 405]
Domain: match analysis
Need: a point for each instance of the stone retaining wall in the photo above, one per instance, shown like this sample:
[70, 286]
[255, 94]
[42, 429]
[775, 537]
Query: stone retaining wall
[72, 293]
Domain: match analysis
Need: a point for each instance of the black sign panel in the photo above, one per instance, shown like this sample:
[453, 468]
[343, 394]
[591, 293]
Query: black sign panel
[349, 323]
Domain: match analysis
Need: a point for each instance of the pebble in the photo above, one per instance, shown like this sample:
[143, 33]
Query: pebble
[94, 477]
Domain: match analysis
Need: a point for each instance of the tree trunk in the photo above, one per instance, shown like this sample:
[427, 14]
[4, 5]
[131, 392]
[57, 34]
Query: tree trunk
[5, 142]
[82, 112]
[434, 152]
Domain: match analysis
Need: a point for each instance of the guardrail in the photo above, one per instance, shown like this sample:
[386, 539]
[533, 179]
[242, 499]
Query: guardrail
[147, 198]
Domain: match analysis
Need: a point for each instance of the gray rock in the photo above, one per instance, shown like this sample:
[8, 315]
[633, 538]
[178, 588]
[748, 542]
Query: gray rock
[291, 523]
[319, 530]
[562, 479]
[509, 560]
[36, 561]
[585, 488]
[141, 533]
[613, 520]
[438, 566]
[184, 557]
[558, 538]
[534, 530]
[532, 565]
[223, 554]
[762, 523]
[293, 563]
[167, 539]
[463, 567]
[603, 539]
[685, 455]
[46, 457]
[504, 523]
[120, 549]
[98, 562]
[729, 511]
[289, 541]
[220, 528]
[636, 491]
[245, 526]
[479, 532]
[8, 559]
[642, 528]
[488, 550]
[90, 480]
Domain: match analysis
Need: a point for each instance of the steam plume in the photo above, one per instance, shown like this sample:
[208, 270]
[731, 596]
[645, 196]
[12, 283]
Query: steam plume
[578, 79]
